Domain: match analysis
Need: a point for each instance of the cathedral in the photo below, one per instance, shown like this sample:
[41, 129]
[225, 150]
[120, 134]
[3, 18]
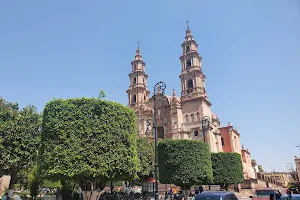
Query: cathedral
[178, 117]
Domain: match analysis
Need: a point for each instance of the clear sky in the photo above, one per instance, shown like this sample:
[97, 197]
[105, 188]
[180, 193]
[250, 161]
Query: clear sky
[250, 50]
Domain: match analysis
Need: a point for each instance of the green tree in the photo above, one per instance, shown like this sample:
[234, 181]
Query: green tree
[184, 163]
[102, 94]
[51, 184]
[294, 184]
[227, 169]
[145, 148]
[89, 141]
[19, 133]
[34, 181]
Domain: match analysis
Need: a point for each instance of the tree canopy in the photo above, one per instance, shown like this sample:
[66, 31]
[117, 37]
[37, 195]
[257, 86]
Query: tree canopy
[19, 138]
[88, 139]
[145, 148]
[227, 168]
[184, 163]
[102, 94]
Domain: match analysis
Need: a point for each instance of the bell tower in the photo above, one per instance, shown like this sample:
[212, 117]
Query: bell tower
[192, 77]
[137, 91]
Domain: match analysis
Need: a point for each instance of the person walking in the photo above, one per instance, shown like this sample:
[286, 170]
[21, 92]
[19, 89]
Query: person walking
[278, 195]
[201, 189]
[197, 191]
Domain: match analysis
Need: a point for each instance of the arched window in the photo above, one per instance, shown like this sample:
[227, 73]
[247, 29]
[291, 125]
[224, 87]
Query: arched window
[196, 133]
[160, 132]
[188, 49]
[134, 80]
[133, 98]
[188, 63]
[192, 116]
[190, 84]
[186, 118]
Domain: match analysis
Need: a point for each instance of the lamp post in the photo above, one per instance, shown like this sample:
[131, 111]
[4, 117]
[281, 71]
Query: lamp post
[205, 125]
[159, 87]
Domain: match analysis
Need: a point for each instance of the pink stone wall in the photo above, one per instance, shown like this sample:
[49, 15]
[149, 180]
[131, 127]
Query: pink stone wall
[4, 183]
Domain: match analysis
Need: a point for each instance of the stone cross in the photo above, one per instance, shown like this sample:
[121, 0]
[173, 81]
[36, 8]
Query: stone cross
[187, 22]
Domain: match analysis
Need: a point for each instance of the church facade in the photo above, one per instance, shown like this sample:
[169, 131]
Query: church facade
[178, 117]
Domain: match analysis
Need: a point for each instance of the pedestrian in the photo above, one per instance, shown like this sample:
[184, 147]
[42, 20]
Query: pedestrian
[197, 191]
[288, 192]
[201, 189]
[5, 197]
[272, 196]
[278, 195]
[171, 193]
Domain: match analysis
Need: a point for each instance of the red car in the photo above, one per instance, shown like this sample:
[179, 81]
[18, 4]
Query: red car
[263, 194]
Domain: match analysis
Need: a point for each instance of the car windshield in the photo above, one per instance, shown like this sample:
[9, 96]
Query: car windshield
[209, 198]
[264, 192]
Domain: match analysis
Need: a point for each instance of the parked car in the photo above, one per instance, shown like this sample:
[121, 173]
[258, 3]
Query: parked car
[216, 195]
[263, 193]
[293, 197]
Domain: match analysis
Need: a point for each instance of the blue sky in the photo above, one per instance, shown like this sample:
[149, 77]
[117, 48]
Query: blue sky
[250, 50]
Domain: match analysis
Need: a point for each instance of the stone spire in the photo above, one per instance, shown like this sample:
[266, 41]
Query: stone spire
[188, 32]
[137, 91]
[174, 103]
[138, 53]
[191, 77]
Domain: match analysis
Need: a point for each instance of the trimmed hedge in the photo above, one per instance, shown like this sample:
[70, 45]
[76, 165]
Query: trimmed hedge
[146, 155]
[184, 163]
[227, 168]
[87, 139]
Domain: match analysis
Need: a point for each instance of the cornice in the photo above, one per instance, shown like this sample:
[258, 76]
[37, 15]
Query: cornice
[189, 42]
[195, 99]
[138, 61]
[138, 72]
[192, 53]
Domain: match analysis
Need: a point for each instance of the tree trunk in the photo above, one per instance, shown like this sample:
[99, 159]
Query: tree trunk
[90, 191]
[226, 187]
[111, 187]
[13, 178]
[186, 192]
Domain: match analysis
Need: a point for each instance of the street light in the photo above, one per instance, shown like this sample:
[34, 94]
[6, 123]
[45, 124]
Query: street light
[205, 125]
[159, 88]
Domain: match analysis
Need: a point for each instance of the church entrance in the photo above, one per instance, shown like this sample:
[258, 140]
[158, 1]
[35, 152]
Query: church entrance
[160, 132]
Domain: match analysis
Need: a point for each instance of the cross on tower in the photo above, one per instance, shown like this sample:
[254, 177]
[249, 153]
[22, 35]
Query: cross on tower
[138, 44]
[187, 23]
